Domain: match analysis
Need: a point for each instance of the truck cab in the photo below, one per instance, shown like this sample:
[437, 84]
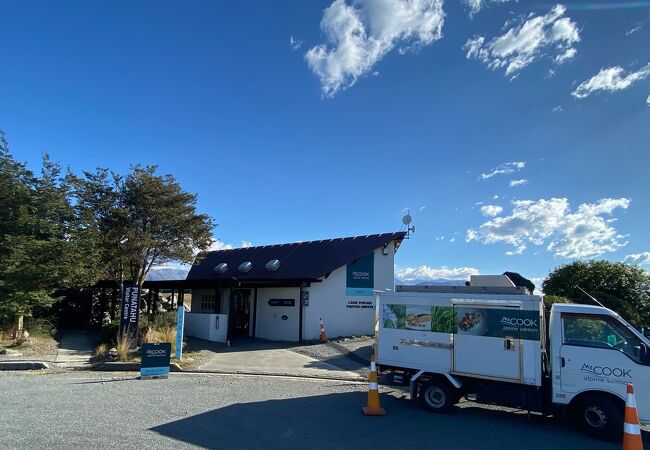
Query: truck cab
[594, 354]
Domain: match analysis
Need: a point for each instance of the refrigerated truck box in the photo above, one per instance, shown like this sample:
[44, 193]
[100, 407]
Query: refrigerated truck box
[493, 337]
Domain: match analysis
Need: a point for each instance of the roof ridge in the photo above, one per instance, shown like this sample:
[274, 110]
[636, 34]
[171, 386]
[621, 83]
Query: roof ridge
[365, 236]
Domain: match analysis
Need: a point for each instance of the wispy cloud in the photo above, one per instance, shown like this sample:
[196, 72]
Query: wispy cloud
[638, 258]
[295, 44]
[515, 183]
[361, 33]
[424, 272]
[550, 35]
[503, 169]
[611, 79]
[474, 6]
[491, 210]
[584, 233]
[633, 30]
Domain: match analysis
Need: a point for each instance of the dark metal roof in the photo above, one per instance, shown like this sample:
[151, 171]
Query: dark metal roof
[298, 261]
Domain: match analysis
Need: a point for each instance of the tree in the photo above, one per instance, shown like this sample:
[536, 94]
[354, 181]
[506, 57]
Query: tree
[143, 219]
[39, 250]
[621, 287]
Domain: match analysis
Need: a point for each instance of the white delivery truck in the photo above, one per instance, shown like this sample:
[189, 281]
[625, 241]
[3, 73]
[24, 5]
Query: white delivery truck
[495, 345]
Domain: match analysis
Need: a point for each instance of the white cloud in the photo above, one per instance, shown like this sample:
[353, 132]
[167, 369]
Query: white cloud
[422, 208]
[503, 169]
[246, 244]
[521, 182]
[425, 272]
[220, 245]
[610, 79]
[440, 238]
[549, 35]
[474, 6]
[633, 30]
[638, 258]
[568, 54]
[452, 239]
[584, 233]
[495, 197]
[558, 108]
[647, 101]
[491, 210]
[295, 44]
[362, 33]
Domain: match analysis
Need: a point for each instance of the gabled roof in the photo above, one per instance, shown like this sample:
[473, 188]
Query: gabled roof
[298, 261]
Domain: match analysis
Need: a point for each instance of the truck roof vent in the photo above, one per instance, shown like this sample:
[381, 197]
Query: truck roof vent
[245, 266]
[273, 265]
[221, 268]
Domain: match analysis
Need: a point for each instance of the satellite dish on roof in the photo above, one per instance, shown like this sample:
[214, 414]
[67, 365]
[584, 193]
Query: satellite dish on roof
[406, 220]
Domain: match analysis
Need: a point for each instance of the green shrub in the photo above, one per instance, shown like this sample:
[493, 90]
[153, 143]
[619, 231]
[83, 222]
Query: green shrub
[40, 326]
[109, 333]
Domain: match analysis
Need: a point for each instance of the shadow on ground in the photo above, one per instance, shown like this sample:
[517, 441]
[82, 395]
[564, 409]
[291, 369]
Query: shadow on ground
[335, 421]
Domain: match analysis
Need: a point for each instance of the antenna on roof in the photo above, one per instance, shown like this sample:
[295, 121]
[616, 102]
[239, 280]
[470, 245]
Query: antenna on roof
[592, 298]
[406, 220]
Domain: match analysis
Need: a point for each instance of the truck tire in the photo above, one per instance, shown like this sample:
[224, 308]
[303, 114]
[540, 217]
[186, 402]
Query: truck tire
[436, 396]
[600, 417]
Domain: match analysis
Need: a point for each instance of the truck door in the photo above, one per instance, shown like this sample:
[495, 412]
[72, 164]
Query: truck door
[600, 353]
[485, 344]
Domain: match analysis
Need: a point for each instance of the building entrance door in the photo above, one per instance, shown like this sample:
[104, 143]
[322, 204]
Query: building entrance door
[240, 311]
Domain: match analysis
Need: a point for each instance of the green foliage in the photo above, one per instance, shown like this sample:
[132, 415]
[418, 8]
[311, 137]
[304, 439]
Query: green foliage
[140, 220]
[60, 232]
[109, 333]
[40, 326]
[621, 287]
[158, 321]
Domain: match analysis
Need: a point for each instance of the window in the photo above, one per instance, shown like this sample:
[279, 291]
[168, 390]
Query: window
[208, 303]
[601, 332]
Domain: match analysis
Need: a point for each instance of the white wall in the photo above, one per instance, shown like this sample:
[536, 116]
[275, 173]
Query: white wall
[269, 318]
[213, 327]
[341, 318]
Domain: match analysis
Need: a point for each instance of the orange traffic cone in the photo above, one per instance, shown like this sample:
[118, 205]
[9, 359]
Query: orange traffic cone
[373, 408]
[323, 334]
[631, 427]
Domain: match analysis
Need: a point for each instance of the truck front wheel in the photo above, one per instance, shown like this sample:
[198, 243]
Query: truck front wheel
[436, 396]
[600, 417]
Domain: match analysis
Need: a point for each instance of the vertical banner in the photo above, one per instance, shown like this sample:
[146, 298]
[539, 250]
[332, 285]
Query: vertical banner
[130, 311]
[360, 277]
[180, 324]
[154, 360]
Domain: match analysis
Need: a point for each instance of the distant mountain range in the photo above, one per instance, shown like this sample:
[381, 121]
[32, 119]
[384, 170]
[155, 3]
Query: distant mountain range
[166, 274]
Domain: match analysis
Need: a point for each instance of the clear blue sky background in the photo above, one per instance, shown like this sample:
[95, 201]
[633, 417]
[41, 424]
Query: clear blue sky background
[214, 93]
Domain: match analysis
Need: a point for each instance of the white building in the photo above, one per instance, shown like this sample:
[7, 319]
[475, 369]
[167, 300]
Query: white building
[280, 292]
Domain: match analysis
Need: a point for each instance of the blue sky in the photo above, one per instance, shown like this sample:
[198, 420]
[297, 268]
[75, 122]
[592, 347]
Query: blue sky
[314, 119]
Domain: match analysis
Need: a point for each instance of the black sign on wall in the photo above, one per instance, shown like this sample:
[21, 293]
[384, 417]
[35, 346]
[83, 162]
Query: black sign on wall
[130, 310]
[282, 302]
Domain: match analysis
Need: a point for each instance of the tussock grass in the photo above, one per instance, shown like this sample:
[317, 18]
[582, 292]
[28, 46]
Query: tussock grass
[100, 350]
[124, 344]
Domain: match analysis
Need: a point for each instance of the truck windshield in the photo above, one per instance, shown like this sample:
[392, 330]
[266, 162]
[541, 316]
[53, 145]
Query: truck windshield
[603, 332]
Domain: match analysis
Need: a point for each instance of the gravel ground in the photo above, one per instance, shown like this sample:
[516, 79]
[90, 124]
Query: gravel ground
[93, 410]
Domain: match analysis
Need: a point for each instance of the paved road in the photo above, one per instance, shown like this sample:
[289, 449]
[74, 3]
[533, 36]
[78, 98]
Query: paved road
[99, 410]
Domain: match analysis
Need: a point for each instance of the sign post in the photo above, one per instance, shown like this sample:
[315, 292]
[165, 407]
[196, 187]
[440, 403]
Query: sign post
[180, 324]
[154, 360]
[130, 311]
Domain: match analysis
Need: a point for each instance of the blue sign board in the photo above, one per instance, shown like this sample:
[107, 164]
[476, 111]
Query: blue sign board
[154, 360]
[360, 277]
[180, 324]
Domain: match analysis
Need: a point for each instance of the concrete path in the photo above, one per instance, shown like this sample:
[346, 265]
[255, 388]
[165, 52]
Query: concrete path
[275, 361]
[76, 348]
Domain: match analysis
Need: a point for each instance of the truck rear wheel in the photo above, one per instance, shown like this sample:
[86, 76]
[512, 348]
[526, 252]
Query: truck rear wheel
[600, 417]
[436, 396]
